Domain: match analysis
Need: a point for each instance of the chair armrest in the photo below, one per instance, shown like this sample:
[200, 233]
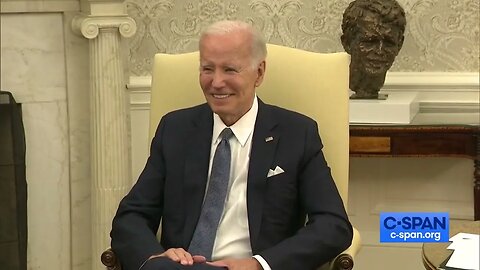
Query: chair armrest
[110, 260]
[345, 260]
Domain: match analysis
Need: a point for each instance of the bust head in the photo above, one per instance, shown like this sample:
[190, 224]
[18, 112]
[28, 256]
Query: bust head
[373, 35]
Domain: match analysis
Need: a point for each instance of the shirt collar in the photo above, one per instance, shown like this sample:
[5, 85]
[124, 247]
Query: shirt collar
[242, 129]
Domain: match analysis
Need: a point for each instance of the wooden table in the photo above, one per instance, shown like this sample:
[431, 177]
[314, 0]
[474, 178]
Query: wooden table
[433, 254]
[424, 137]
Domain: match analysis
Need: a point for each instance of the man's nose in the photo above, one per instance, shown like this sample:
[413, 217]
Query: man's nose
[218, 79]
[379, 46]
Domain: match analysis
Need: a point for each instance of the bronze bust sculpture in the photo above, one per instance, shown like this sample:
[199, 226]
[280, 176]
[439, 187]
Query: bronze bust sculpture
[373, 35]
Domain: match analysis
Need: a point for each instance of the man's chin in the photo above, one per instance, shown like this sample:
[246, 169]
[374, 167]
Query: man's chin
[220, 110]
[376, 71]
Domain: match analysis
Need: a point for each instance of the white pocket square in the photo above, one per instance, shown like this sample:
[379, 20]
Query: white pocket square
[277, 171]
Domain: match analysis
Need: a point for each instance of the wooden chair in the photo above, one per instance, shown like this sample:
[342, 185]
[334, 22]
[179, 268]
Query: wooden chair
[314, 84]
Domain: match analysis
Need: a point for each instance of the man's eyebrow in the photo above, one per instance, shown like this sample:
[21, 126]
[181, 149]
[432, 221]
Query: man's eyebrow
[229, 65]
[369, 35]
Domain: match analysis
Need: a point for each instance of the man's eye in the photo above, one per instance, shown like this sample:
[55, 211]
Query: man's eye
[389, 43]
[206, 69]
[367, 42]
[231, 70]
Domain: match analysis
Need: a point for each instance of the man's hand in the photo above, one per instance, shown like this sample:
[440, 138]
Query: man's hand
[181, 256]
[238, 264]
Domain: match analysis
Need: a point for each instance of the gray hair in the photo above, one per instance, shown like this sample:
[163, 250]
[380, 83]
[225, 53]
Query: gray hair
[258, 46]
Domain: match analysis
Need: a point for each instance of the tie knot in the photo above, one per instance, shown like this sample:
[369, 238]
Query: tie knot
[226, 134]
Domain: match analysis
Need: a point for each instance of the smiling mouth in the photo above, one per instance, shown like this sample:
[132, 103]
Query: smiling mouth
[376, 63]
[377, 60]
[221, 96]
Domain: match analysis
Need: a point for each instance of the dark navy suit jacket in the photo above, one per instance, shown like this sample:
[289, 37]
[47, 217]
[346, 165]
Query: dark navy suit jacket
[172, 187]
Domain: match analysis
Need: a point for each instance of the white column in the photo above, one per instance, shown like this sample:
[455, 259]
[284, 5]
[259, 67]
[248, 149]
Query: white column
[110, 129]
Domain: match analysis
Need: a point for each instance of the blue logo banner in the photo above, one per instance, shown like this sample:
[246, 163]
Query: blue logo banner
[420, 227]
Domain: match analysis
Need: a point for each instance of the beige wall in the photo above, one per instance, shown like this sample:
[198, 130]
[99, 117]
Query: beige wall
[46, 67]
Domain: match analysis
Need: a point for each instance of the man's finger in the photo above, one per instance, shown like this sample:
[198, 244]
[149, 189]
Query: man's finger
[218, 263]
[184, 257]
[172, 255]
[199, 259]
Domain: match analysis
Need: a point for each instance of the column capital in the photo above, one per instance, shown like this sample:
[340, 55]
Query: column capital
[88, 25]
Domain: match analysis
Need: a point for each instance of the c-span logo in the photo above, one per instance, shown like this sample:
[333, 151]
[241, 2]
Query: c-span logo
[414, 227]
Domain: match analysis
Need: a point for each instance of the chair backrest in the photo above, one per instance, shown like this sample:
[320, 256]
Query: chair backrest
[314, 84]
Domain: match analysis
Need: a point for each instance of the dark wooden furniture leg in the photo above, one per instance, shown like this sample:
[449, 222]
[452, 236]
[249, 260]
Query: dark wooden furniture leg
[476, 183]
[110, 260]
[343, 262]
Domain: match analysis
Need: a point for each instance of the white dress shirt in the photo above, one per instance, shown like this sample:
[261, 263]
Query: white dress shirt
[233, 238]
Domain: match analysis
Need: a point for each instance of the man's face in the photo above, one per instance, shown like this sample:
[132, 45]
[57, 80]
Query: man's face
[375, 46]
[227, 77]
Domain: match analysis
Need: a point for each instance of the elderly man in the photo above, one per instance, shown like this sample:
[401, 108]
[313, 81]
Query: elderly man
[208, 178]
[373, 35]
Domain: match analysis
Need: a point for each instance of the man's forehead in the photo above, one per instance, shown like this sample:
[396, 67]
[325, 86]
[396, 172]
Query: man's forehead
[373, 26]
[231, 58]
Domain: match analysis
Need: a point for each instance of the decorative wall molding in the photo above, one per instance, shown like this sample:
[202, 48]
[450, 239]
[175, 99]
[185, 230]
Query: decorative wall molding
[445, 92]
[138, 82]
[9, 6]
[140, 100]
[438, 92]
[89, 26]
[139, 88]
[452, 107]
[432, 81]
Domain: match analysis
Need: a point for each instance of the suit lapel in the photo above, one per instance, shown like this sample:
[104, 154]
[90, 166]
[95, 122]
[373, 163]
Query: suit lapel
[196, 169]
[264, 143]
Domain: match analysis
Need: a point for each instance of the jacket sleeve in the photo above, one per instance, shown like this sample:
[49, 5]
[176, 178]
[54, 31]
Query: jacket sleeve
[138, 216]
[327, 232]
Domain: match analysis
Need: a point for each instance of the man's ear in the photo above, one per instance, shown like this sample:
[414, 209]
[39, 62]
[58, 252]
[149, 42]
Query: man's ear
[345, 44]
[260, 73]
